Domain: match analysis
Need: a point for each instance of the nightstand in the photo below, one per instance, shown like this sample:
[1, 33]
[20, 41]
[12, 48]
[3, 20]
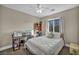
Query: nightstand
[74, 49]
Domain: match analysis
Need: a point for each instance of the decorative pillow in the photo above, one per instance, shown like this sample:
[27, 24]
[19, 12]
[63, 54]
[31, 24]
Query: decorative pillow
[57, 35]
[49, 35]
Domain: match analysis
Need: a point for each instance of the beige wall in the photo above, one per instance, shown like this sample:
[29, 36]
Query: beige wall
[12, 20]
[70, 25]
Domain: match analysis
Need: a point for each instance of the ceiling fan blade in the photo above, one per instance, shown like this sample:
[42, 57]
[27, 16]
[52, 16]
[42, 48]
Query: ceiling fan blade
[39, 6]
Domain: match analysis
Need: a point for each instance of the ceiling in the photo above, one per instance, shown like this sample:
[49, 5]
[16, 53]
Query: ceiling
[31, 8]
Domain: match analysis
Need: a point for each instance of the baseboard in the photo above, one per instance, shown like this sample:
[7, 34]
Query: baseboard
[67, 45]
[5, 47]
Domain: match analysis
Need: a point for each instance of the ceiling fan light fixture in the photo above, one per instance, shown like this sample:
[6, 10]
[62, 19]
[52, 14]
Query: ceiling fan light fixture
[39, 11]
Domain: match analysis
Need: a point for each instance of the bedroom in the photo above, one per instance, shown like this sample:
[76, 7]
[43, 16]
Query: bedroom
[21, 18]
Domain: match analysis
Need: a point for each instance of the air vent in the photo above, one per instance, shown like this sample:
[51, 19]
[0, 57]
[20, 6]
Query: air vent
[52, 9]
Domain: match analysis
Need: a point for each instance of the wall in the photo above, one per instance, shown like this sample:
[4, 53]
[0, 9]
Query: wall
[70, 26]
[12, 20]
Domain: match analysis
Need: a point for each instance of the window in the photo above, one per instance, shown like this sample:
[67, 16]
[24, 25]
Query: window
[51, 26]
[55, 25]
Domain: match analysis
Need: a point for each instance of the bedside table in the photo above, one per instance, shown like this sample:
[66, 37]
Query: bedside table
[74, 49]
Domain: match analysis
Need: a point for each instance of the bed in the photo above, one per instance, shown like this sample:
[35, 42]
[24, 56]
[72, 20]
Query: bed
[45, 46]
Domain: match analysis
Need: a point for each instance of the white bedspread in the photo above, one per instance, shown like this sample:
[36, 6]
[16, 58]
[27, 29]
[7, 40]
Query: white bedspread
[44, 46]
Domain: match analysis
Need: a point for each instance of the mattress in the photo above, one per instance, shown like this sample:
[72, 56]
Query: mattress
[44, 46]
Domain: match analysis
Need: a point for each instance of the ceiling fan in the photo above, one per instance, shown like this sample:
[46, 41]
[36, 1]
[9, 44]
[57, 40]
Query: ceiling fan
[40, 8]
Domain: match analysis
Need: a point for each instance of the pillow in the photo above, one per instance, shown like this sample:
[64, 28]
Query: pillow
[49, 35]
[57, 35]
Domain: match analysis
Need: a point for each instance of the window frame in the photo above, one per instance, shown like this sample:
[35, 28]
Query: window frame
[60, 25]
